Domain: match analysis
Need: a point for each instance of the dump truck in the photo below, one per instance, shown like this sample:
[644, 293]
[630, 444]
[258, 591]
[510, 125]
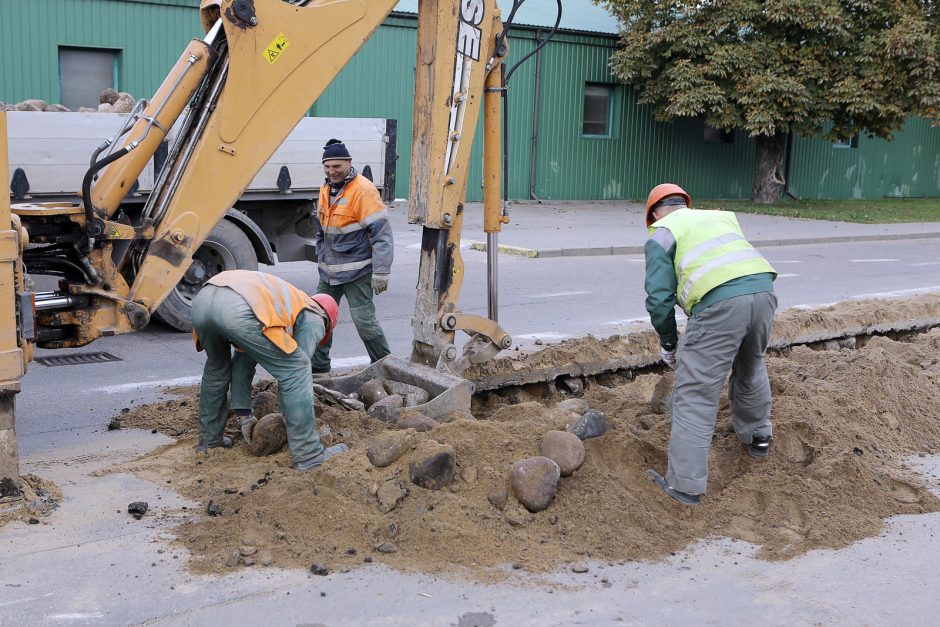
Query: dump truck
[49, 153]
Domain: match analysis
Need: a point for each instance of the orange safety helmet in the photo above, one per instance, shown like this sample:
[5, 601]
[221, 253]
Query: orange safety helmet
[332, 312]
[661, 191]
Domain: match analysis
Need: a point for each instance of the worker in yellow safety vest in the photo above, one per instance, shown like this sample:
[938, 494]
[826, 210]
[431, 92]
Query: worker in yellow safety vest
[701, 261]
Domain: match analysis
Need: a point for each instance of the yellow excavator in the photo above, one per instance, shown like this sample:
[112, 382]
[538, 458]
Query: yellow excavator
[240, 91]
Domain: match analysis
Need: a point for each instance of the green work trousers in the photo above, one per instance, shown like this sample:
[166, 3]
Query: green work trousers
[362, 310]
[222, 319]
[731, 334]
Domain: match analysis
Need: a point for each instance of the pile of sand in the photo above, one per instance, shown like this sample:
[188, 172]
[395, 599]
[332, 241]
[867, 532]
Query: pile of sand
[844, 421]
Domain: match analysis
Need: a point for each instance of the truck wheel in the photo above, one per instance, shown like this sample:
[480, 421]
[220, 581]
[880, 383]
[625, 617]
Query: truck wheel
[226, 248]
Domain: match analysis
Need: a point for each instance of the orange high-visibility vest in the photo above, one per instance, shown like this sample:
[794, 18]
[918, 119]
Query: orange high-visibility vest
[275, 303]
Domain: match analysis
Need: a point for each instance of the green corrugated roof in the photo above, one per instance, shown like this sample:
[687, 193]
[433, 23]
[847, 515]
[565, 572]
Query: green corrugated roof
[576, 15]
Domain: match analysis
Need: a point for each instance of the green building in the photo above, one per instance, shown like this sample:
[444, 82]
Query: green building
[574, 132]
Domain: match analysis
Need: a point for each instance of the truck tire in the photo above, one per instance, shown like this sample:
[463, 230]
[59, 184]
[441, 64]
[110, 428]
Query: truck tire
[226, 248]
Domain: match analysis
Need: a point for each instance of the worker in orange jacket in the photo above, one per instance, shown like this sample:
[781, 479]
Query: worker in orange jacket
[354, 248]
[272, 323]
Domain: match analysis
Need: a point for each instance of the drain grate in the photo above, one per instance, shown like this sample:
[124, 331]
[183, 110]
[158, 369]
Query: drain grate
[77, 359]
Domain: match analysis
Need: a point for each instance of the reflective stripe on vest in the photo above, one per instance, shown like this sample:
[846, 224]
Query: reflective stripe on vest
[710, 250]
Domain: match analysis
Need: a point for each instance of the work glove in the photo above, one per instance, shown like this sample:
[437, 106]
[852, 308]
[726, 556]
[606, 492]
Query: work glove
[669, 357]
[247, 424]
[379, 283]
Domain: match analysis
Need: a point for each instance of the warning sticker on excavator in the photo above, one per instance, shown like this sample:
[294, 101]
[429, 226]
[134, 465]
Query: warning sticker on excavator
[276, 47]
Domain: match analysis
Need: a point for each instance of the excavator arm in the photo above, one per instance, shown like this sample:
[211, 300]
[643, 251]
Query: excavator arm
[240, 91]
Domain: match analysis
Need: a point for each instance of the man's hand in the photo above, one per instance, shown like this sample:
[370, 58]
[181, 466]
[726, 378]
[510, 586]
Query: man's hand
[669, 357]
[379, 283]
[247, 424]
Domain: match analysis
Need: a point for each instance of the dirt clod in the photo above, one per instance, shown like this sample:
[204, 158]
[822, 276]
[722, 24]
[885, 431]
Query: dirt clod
[137, 509]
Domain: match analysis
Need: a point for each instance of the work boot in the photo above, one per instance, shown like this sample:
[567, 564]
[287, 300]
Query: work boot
[317, 460]
[226, 443]
[682, 497]
[759, 446]
[320, 369]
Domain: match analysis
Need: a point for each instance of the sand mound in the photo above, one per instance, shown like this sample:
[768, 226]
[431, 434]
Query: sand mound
[843, 419]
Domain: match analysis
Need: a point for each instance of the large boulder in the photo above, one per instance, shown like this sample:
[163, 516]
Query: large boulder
[268, 436]
[435, 468]
[565, 449]
[534, 481]
[592, 424]
[371, 392]
[388, 447]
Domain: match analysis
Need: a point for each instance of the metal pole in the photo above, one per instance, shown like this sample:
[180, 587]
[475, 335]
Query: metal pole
[492, 276]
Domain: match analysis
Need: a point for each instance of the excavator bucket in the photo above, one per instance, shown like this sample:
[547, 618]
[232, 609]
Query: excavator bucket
[449, 395]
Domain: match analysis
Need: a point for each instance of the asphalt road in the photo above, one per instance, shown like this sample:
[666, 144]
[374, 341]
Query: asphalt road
[548, 299]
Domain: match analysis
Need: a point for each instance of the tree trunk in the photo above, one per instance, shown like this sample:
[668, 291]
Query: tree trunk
[768, 168]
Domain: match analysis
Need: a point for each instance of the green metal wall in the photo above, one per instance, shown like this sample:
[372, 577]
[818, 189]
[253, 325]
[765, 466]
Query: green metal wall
[907, 166]
[379, 82]
[148, 36]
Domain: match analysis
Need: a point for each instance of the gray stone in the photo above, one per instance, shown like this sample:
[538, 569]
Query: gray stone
[435, 468]
[213, 509]
[234, 557]
[389, 495]
[579, 567]
[372, 391]
[137, 509]
[574, 384]
[389, 446]
[534, 481]
[517, 516]
[498, 496]
[412, 394]
[659, 401]
[392, 400]
[319, 569]
[326, 435]
[264, 403]
[576, 405]
[388, 409]
[565, 449]
[386, 547]
[411, 419]
[591, 425]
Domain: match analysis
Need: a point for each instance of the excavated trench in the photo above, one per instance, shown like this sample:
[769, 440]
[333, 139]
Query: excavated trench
[856, 386]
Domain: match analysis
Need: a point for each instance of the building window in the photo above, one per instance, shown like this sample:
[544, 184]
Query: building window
[713, 135]
[851, 142]
[83, 73]
[598, 99]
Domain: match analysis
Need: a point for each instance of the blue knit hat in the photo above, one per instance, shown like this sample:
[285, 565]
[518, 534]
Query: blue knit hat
[335, 149]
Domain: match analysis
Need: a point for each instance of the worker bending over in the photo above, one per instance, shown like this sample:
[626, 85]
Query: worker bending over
[354, 248]
[700, 260]
[272, 323]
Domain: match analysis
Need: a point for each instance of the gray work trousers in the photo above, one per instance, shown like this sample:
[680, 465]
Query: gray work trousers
[222, 318]
[362, 311]
[731, 334]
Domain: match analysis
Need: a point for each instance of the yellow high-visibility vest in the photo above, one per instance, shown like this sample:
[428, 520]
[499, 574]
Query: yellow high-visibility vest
[710, 250]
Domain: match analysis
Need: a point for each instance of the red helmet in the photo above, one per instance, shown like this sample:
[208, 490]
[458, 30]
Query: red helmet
[661, 191]
[332, 312]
